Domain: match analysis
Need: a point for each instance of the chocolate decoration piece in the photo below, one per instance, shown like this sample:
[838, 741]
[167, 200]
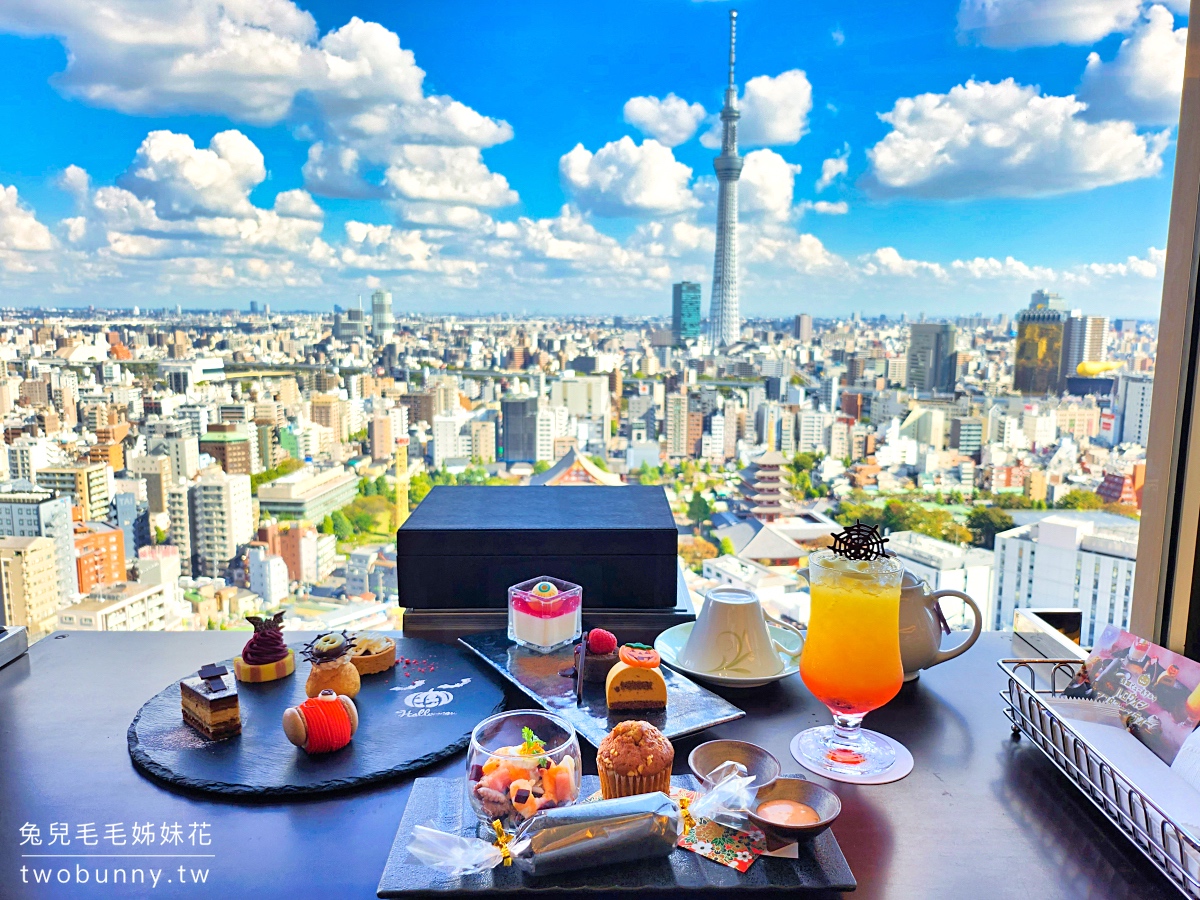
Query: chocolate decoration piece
[327, 647]
[476, 773]
[520, 796]
[212, 675]
[860, 541]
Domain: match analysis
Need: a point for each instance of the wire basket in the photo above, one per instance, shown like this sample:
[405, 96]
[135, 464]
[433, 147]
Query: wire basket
[1164, 842]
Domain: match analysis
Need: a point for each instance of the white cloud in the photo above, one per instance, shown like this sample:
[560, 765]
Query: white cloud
[888, 261]
[774, 111]
[671, 121]
[803, 253]
[838, 36]
[834, 167]
[298, 204]
[1143, 82]
[989, 267]
[825, 207]
[20, 231]
[455, 175]
[184, 180]
[1006, 139]
[1042, 23]
[625, 179]
[766, 185]
[355, 93]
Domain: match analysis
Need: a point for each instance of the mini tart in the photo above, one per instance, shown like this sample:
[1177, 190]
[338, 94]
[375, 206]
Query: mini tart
[373, 653]
[267, 671]
[338, 675]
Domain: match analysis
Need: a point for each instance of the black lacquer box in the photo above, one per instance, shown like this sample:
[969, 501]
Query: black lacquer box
[463, 546]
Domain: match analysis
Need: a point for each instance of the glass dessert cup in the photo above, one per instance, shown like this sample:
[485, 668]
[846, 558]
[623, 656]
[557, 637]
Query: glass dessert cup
[545, 613]
[519, 763]
[851, 659]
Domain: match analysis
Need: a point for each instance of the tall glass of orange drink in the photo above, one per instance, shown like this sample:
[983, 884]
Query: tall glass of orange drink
[851, 659]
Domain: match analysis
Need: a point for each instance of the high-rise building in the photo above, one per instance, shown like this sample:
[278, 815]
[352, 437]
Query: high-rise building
[1038, 367]
[28, 587]
[327, 410]
[1066, 562]
[966, 434]
[379, 437]
[38, 513]
[222, 518]
[1134, 396]
[677, 426]
[724, 315]
[932, 360]
[802, 328]
[518, 427]
[132, 517]
[1084, 340]
[156, 470]
[99, 555]
[268, 576]
[179, 498]
[87, 485]
[685, 312]
[383, 326]
[229, 446]
[27, 455]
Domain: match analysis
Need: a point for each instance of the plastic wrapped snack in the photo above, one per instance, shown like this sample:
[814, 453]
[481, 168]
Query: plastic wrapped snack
[569, 838]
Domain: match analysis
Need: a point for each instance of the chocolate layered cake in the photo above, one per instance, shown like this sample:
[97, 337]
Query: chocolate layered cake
[210, 703]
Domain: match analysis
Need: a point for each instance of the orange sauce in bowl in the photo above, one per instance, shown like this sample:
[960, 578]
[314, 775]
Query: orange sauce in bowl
[788, 813]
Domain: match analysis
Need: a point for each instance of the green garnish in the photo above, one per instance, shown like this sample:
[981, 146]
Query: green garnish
[533, 746]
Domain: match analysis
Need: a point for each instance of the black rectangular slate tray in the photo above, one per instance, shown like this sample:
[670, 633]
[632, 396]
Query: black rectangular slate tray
[690, 708]
[441, 803]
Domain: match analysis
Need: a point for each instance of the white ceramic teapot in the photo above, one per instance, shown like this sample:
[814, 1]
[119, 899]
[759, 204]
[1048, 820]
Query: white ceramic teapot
[921, 629]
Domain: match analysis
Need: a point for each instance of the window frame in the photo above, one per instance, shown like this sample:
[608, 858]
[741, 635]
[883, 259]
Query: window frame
[1164, 608]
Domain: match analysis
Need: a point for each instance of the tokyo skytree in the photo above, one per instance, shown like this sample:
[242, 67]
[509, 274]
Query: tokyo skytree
[724, 316]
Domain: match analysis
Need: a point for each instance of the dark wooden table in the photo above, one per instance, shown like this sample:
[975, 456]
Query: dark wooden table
[981, 816]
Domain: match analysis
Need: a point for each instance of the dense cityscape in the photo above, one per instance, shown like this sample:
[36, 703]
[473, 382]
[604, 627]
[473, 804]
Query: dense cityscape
[170, 469]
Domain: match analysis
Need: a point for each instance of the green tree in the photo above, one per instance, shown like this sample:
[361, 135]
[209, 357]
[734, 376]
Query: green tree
[160, 536]
[342, 527]
[541, 466]
[383, 489]
[727, 547]
[366, 487]
[1081, 499]
[698, 508]
[985, 523]
[599, 462]
[418, 487]
[326, 525]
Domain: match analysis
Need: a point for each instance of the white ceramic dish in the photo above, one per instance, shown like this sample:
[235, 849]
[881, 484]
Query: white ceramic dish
[670, 645]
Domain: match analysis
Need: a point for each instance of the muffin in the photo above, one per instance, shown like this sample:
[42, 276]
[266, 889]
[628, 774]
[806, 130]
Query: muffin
[634, 758]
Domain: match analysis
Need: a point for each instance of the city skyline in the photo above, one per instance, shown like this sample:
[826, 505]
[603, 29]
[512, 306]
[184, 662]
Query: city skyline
[386, 151]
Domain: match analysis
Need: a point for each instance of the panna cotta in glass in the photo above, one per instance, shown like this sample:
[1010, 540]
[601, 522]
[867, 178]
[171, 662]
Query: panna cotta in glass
[545, 613]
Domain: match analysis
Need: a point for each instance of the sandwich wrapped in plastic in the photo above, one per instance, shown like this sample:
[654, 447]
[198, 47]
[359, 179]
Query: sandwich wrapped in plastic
[569, 838]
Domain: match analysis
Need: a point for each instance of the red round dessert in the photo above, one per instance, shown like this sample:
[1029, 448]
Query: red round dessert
[601, 642]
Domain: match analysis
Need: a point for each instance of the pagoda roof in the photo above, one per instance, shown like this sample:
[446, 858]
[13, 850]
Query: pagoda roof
[575, 469]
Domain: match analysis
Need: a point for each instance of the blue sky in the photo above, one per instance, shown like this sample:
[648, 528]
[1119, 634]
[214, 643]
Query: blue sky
[554, 159]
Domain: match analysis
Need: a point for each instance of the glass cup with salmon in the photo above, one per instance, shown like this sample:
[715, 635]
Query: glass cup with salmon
[519, 763]
[851, 658]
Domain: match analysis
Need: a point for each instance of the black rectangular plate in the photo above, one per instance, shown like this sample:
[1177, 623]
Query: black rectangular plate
[441, 803]
[690, 708]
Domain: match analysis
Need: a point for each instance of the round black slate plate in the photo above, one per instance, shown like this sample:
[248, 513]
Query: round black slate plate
[405, 723]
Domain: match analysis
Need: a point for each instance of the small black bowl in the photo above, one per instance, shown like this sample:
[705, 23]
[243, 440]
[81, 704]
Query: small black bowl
[758, 762]
[824, 802]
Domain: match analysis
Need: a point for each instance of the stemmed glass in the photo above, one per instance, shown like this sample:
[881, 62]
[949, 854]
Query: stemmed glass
[851, 659]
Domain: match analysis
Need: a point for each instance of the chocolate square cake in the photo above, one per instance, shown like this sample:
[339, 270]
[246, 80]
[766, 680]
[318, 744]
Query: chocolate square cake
[210, 703]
